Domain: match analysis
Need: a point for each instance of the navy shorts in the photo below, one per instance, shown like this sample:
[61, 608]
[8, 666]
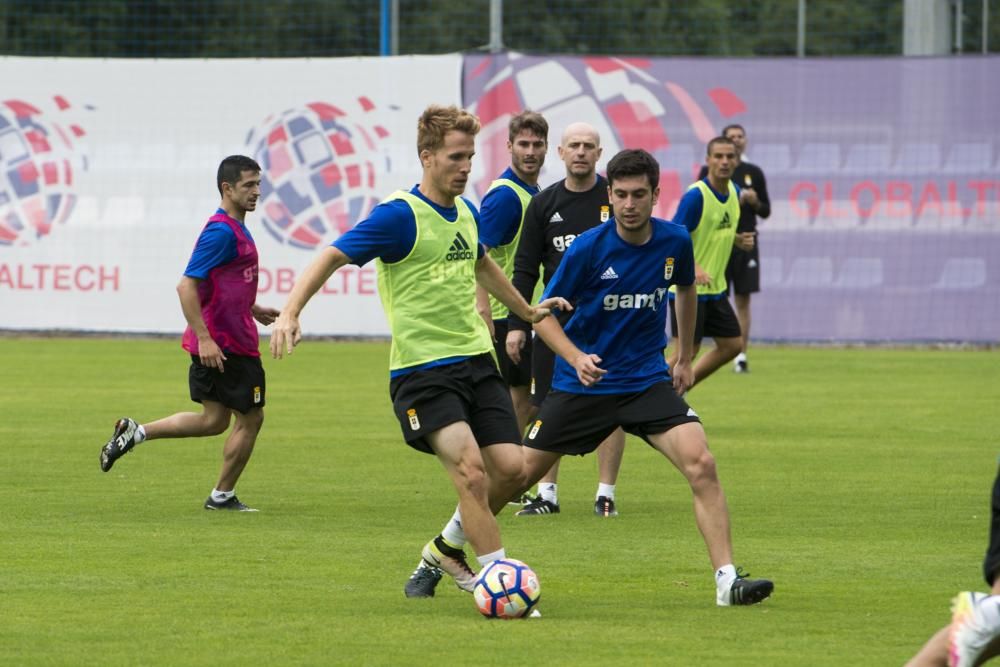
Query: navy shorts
[578, 423]
[241, 387]
[470, 391]
[716, 319]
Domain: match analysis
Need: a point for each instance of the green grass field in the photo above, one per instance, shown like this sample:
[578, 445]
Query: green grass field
[858, 480]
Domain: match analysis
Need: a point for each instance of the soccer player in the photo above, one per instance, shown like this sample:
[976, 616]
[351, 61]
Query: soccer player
[501, 218]
[611, 373]
[973, 636]
[446, 391]
[710, 209]
[555, 217]
[218, 297]
[743, 270]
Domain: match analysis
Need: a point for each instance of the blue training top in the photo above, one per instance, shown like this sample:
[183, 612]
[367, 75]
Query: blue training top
[619, 293]
[390, 231]
[500, 212]
[216, 245]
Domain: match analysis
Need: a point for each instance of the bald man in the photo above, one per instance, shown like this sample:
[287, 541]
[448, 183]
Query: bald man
[554, 218]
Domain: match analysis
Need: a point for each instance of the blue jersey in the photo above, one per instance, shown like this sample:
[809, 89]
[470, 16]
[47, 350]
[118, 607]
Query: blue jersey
[500, 212]
[619, 293]
[390, 231]
[216, 245]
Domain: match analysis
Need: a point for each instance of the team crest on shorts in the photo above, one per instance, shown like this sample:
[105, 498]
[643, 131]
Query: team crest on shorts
[668, 268]
[605, 213]
[414, 421]
[256, 394]
[534, 430]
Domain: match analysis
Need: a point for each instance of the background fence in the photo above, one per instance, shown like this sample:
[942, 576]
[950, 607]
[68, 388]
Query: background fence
[319, 28]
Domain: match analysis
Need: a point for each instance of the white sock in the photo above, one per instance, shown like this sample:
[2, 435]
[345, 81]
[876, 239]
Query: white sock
[452, 532]
[740, 357]
[548, 492]
[725, 576]
[606, 490]
[222, 496]
[486, 559]
[140, 434]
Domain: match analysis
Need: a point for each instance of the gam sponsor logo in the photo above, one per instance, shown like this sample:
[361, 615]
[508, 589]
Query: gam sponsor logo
[635, 301]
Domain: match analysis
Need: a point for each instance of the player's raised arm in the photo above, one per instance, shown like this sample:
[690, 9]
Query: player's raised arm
[287, 333]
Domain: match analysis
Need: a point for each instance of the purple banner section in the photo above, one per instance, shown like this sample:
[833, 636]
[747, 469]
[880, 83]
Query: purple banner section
[883, 174]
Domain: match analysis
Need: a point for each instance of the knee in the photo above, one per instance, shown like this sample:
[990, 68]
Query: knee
[729, 347]
[216, 424]
[701, 470]
[472, 476]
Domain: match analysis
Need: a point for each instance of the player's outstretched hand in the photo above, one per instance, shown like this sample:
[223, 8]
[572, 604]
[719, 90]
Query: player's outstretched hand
[515, 342]
[587, 370]
[545, 308]
[263, 315]
[683, 376]
[285, 335]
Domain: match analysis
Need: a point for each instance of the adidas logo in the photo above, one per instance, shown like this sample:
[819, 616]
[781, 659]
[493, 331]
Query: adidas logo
[752, 264]
[459, 249]
[556, 217]
[609, 274]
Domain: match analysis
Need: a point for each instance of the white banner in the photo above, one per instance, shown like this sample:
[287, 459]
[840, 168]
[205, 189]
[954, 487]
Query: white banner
[107, 175]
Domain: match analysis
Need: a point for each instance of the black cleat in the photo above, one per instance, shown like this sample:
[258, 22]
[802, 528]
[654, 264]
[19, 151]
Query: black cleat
[423, 581]
[605, 506]
[121, 443]
[539, 506]
[233, 505]
[744, 591]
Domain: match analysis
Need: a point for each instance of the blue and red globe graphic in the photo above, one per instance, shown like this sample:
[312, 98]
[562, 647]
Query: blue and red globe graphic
[629, 104]
[321, 169]
[39, 162]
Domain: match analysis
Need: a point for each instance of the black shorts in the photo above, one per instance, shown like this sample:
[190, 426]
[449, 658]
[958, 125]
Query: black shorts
[470, 391]
[743, 271]
[241, 387]
[578, 423]
[543, 364]
[515, 375]
[716, 319]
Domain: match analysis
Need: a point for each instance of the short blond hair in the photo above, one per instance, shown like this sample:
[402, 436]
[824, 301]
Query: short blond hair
[437, 121]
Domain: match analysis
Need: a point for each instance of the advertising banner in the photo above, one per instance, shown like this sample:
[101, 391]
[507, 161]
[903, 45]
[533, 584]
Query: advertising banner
[883, 174]
[108, 174]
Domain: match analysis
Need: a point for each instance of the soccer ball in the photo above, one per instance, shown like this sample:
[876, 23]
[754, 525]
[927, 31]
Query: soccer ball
[507, 588]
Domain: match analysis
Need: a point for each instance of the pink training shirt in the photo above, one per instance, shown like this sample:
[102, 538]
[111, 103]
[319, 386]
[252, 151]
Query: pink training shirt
[227, 296]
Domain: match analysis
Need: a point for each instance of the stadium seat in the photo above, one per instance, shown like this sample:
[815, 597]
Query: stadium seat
[774, 159]
[969, 158]
[771, 272]
[818, 158]
[945, 216]
[836, 214]
[918, 158]
[683, 159]
[860, 273]
[810, 272]
[962, 273]
[890, 215]
[985, 217]
[784, 215]
[863, 159]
